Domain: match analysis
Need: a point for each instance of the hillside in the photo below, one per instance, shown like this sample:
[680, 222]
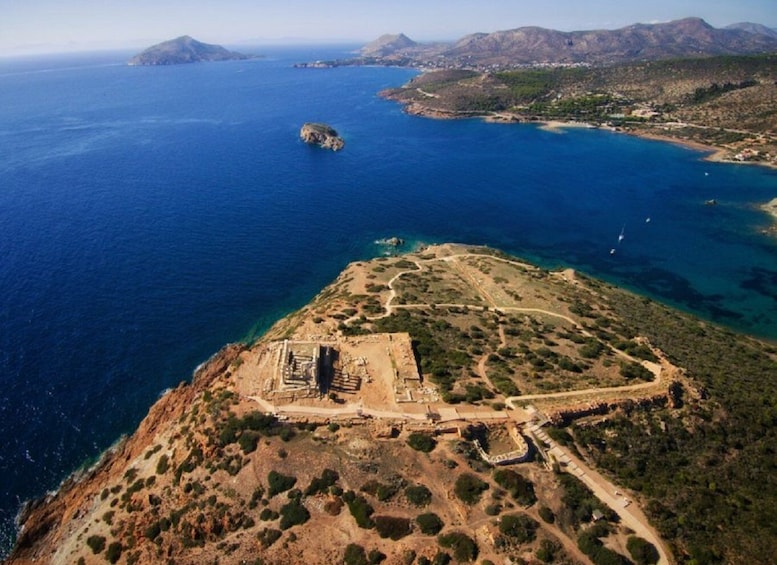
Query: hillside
[387, 44]
[182, 50]
[690, 37]
[754, 28]
[449, 403]
[726, 102]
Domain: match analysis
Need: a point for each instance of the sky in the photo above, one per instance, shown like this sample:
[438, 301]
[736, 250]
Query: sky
[28, 26]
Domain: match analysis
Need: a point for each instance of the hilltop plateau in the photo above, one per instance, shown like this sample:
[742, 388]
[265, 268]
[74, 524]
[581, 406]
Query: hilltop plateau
[452, 403]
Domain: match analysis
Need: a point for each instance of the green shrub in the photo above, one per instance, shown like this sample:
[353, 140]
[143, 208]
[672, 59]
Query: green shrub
[355, 555]
[113, 553]
[547, 551]
[632, 371]
[162, 464]
[429, 523]
[519, 527]
[268, 536]
[152, 531]
[592, 349]
[392, 527]
[493, 509]
[418, 495]
[256, 496]
[321, 484]
[293, 514]
[248, 441]
[464, 547]
[286, 433]
[279, 483]
[600, 555]
[381, 491]
[521, 489]
[642, 551]
[268, 515]
[469, 487]
[360, 509]
[421, 442]
[546, 514]
[96, 543]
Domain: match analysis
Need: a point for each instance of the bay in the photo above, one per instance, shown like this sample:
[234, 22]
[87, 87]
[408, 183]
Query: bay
[148, 215]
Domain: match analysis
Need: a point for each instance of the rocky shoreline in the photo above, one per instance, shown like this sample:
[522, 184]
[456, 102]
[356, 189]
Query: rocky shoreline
[39, 520]
[716, 153]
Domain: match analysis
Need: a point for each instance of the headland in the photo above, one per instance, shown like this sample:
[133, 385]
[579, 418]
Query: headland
[451, 400]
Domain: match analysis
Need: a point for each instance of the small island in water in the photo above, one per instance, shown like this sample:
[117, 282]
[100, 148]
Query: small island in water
[322, 135]
[182, 50]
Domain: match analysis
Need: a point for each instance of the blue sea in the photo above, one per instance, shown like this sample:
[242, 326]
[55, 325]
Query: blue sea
[149, 215]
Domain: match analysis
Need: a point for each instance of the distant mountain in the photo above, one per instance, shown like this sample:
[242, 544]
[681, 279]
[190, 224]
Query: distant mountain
[388, 45]
[690, 37]
[754, 28]
[681, 38]
[183, 50]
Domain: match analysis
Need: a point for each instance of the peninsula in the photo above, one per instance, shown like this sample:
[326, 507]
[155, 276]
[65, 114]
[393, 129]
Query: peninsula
[182, 50]
[454, 402]
[322, 135]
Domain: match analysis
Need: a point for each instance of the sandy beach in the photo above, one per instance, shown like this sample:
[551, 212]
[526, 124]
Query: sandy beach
[557, 126]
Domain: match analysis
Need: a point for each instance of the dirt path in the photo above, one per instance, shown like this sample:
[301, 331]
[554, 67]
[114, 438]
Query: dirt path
[482, 369]
[631, 515]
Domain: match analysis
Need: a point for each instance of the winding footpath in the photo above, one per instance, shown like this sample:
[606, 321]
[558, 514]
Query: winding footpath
[657, 369]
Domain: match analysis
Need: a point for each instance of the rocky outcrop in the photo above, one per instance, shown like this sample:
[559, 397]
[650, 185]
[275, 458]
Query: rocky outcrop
[321, 135]
[40, 521]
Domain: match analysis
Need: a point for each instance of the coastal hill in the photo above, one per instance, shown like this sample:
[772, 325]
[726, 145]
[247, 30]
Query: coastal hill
[387, 45]
[183, 50]
[751, 27]
[726, 103]
[689, 37]
[454, 402]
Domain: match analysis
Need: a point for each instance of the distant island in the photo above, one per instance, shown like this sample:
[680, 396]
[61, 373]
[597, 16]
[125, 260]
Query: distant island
[183, 50]
[322, 135]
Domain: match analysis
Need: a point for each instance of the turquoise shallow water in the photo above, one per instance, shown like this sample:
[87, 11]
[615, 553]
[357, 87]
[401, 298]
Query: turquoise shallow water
[150, 215]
